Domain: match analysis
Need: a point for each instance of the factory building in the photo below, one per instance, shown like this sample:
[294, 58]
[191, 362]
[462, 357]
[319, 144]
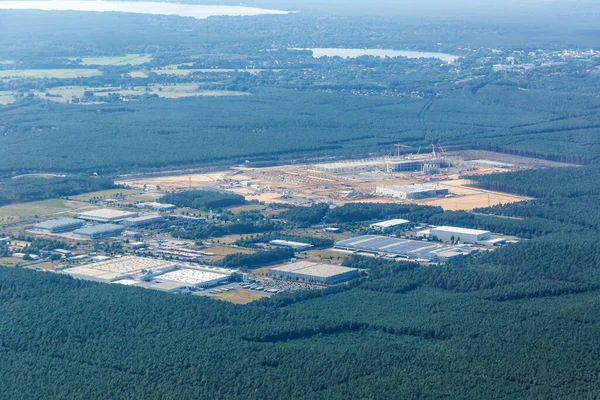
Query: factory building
[194, 278]
[106, 215]
[411, 192]
[314, 272]
[388, 224]
[119, 268]
[298, 246]
[99, 231]
[405, 248]
[142, 220]
[59, 225]
[462, 235]
[152, 205]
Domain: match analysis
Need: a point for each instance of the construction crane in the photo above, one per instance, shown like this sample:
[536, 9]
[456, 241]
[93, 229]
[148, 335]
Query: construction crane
[400, 146]
[433, 150]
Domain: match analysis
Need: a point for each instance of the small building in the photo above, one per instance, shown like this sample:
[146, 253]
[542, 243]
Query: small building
[314, 272]
[142, 220]
[388, 224]
[462, 235]
[411, 192]
[59, 225]
[138, 245]
[298, 246]
[62, 252]
[99, 231]
[106, 215]
[332, 230]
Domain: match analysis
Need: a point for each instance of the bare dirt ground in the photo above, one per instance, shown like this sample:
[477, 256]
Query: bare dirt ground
[302, 184]
[517, 161]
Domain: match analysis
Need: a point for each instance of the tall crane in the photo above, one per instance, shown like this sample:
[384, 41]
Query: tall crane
[400, 146]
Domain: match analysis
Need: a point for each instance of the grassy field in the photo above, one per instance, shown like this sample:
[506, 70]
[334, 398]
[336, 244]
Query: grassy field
[49, 73]
[10, 261]
[173, 70]
[239, 297]
[104, 194]
[42, 208]
[6, 98]
[67, 93]
[127, 59]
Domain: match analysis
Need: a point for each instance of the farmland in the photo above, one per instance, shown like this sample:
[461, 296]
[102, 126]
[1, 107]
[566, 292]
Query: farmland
[127, 59]
[56, 207]
[64, 73]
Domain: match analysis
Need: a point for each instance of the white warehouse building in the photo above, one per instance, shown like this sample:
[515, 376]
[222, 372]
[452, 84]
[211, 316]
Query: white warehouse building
[464, 235]
[411, 192]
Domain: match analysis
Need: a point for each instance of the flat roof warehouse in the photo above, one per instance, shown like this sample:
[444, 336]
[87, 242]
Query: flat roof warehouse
[106, 215]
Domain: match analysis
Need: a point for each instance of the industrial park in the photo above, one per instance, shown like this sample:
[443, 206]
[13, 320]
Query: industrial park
[434, 178]
[130, 237]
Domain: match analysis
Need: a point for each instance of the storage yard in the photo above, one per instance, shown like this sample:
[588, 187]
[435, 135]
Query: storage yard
[405, 248]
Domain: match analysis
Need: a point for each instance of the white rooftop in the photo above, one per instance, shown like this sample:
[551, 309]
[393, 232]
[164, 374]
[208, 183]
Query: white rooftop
[129, 264]
[313, 269]
[106, 213]
[190, 276]
[455, 229]
[391, 222]
[416, 188]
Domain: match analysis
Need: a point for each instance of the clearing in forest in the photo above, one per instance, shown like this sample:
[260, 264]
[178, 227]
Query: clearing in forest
[239, 297]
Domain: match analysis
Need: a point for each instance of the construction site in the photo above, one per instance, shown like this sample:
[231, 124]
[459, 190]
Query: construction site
[434, 177]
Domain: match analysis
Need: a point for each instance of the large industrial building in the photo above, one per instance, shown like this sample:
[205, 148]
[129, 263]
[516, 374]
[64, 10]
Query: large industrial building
[119, 268]
[389, 224]
[405, 248]
[142, 220]
[59, 225]
[314, 272]
[99, 231]
[106, 215]
[298, 246]
[195, 278]
[411, 192]
[156, 206]
[462, 235]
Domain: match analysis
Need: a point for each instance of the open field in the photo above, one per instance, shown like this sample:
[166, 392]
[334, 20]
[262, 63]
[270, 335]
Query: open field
[10, 261]
[239, 297]
[49, 73]
[41, 208]
[6, 98]
[104, 194]
[174, 70]
[67, 94]
[127, 59]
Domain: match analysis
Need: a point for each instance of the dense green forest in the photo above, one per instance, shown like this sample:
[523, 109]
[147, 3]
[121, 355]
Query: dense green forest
[518, 322]
[541, 103]
[30, 188]
[204, 199]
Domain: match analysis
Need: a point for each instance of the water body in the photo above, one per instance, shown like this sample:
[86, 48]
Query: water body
[353, 53]
[184, 10]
